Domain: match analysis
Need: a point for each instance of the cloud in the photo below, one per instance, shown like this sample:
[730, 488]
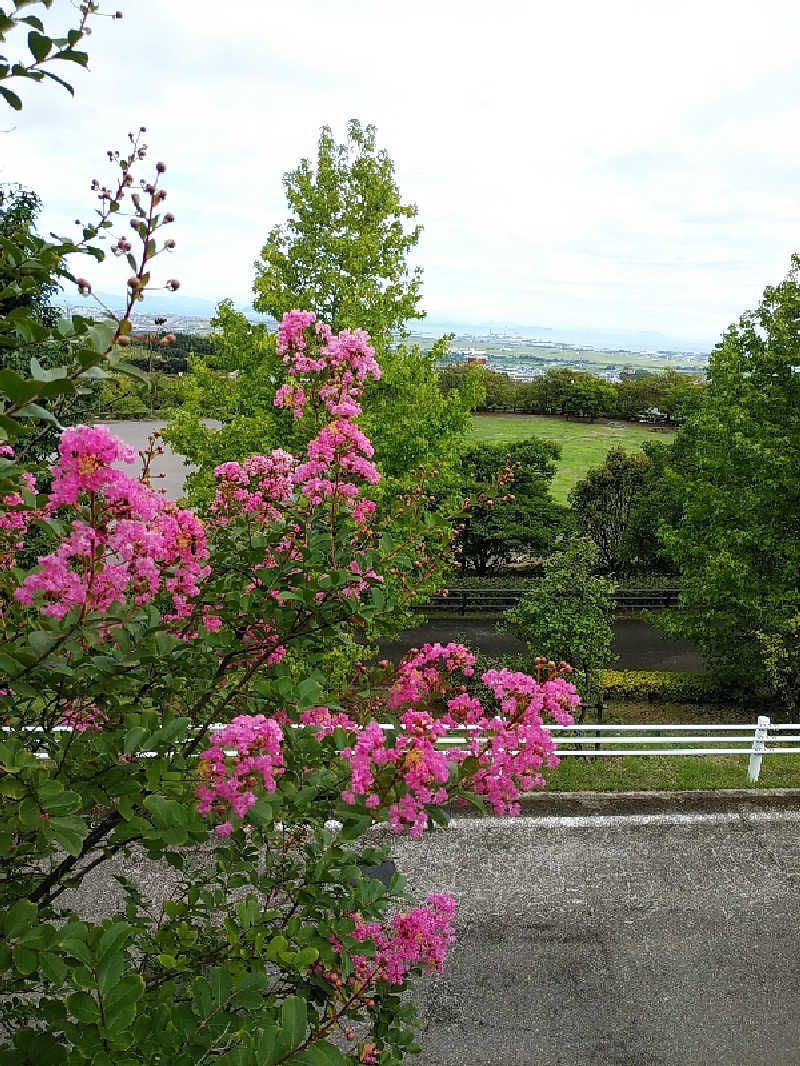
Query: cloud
[616, 164]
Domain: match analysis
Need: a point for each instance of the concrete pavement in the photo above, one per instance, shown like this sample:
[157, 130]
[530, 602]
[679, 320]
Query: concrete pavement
[655, 937]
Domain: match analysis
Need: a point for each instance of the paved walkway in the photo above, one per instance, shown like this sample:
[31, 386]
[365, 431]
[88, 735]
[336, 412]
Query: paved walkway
[657, 939]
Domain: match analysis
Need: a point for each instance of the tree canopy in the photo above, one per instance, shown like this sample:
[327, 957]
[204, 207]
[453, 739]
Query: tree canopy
[604, 502]
[566, 614]
[518, 518]
[734, 464]
[343, 250]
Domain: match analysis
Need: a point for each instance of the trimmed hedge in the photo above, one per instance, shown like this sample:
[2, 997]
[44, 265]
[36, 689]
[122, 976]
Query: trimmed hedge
[662, 686]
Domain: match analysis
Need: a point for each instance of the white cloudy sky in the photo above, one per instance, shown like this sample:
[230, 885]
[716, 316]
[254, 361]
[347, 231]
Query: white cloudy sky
[622, 165]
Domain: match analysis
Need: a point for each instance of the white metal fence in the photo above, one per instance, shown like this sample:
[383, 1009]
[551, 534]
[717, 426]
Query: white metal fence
[754, 740]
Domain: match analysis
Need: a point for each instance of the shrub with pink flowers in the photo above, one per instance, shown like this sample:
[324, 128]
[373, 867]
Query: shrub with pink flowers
[166, 695]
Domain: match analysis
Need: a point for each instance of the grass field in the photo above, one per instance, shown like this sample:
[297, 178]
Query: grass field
[583, 445]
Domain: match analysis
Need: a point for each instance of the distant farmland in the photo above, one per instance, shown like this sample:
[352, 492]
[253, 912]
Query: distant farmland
[583, 445]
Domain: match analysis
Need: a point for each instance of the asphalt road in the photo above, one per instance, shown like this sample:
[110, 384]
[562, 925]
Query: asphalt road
[666, 939]
[637, 645]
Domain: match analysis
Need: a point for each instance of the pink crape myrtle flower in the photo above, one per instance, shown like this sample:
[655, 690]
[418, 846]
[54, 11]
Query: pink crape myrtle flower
[83, 717]
[132, 542]
[417, 937]
[255, 762]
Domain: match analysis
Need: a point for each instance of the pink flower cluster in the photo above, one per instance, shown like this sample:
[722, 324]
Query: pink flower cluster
[514, 746]
[511, 747]
[419, 675]
[131, 542]
[253, 743]
[83, 717]
[15, 516]
[254, 487]
[417, 937]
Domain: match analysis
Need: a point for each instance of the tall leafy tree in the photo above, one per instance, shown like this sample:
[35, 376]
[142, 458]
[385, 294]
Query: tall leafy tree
[567, 614]
[590, 397]
[737, 535]
[519, 518]
[342, 253]
[343, 250]
[604, 501]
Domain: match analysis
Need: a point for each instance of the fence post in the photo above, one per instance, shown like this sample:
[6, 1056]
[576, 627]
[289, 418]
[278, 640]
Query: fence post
[759, 744]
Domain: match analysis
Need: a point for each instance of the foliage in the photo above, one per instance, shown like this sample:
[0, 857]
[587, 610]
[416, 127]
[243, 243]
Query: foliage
[138, 632]
[43, 48]
[662, 686]
[19, 209]
[520, 519]
[412, 426]
[733, 466]
[561, 390]
[120, 397]
[342, 252]
[566, 614]
[589, 397]
[604, 501]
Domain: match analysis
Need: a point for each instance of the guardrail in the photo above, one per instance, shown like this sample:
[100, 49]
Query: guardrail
[464, 600]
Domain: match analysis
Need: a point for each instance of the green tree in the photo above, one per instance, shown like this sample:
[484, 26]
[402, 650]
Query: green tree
[228, 411]
[590, 397]
[342, 253]
[604, 501]
[343, 250]
[506, 520]
[734, 464]
[19, 208]
[567, 614]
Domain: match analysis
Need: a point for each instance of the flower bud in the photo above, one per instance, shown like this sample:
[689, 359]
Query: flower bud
[170, 243]
[84, 287]
[161, 167]
[123, 340]
[169, 217]
[173, 284]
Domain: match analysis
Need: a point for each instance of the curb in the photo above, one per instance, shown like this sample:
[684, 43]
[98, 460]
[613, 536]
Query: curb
[622, 804]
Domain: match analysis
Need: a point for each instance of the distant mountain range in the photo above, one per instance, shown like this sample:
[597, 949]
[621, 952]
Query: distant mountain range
[178, 306]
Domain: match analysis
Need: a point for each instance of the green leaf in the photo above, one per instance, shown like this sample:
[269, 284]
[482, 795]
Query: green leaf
[131, 371]
[321, 1053]
[221, 985]
[64, 84]
[109, 971]
[100, 335]
[41, 642]
[167, 814]
[250, 991]
[77, 949]
[83, 1007]
[294, 1019]
[25, 959]
[11, 98]
[69, 833]
[39, 45]
[119, 1006]
[114, 936]
[18, 389]
[33, 410]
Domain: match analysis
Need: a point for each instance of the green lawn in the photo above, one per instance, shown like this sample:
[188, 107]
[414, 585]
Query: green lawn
[583, 445]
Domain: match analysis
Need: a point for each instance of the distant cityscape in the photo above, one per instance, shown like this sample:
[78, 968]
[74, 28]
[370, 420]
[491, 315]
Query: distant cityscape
[521, 352]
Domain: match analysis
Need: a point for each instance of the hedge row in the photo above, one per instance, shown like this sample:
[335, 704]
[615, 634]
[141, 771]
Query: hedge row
[662, 686]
